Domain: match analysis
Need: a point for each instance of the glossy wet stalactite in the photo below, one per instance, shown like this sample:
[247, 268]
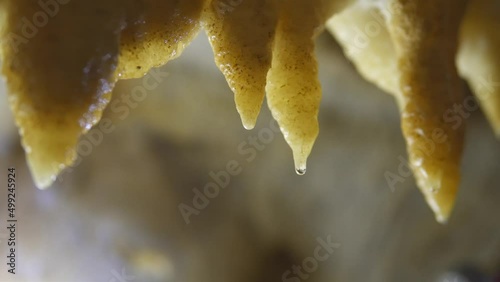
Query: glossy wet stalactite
[74, 61]
[61, 78]
[417, 52]
[426, 39]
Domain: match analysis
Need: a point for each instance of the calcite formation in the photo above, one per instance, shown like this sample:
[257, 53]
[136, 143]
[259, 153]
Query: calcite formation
[62, 58]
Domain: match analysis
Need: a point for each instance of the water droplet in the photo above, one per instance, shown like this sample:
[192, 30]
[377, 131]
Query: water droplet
[300, 171]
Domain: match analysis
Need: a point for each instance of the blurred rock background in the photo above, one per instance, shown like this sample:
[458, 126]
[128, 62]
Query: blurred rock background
[115, 216]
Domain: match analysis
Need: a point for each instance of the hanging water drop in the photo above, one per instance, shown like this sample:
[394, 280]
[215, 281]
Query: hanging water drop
[300, 171]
